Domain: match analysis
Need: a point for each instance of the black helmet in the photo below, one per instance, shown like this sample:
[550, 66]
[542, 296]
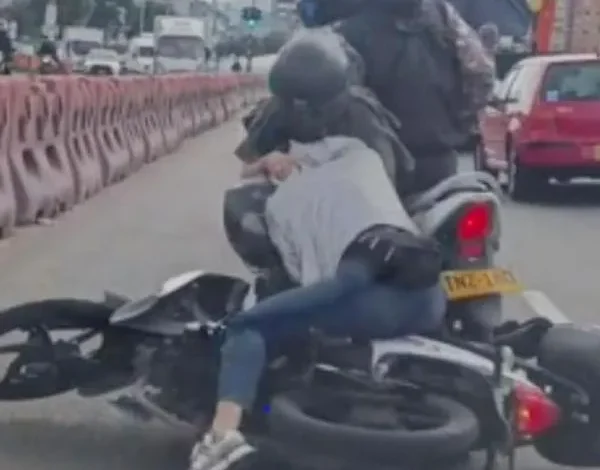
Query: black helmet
[245, 226]
[313, 67]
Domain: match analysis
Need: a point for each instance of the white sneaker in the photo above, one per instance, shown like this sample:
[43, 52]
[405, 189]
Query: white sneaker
[219, 452]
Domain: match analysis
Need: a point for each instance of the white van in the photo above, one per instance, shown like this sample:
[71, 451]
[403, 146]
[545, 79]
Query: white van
[140, 55]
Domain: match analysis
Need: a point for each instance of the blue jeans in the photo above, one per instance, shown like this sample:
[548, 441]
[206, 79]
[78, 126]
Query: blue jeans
[351, 304]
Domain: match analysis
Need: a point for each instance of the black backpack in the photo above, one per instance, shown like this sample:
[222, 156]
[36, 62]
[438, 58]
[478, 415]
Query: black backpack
[412, 66]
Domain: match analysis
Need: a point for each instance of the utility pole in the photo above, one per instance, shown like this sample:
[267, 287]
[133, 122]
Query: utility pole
[215, 9]
[142, 15]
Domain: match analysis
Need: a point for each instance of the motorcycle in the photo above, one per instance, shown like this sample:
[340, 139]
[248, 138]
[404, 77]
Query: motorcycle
[375, 403]
[329, 396]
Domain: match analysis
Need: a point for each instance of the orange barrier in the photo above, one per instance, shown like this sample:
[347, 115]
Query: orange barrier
[8, 205]
[166, 106]
[65, 137]
[43, 176]
[131, 96]
[110, 138]
[82, 150]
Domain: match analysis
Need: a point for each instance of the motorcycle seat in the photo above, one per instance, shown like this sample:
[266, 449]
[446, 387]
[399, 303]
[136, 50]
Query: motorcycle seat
[461, 182]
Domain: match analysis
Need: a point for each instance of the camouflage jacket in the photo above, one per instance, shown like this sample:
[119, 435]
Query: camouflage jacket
[477, 65]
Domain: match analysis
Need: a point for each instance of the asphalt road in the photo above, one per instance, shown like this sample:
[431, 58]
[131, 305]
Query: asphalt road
[166, 219]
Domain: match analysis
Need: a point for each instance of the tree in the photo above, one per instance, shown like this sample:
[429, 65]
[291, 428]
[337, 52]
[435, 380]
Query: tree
[150, 12]
[105, 12]
[29, 15]
[72, 12]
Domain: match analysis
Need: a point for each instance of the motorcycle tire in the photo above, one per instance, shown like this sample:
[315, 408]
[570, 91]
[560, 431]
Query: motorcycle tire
[55, 314]
[53, 376]
[453, 439]
[573, 353]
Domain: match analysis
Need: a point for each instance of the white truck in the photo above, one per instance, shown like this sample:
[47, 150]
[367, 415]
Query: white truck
[140, 54]
[179, 44]
[77, 41]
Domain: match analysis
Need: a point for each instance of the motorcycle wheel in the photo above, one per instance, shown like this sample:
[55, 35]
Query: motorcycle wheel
[55, 314]
[429, 430]
[573, 353]
[34, 372]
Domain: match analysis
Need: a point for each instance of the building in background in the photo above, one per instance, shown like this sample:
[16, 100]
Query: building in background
[570, 25]
[585, 26]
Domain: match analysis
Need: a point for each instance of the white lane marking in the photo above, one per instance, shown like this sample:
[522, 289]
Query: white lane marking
[544, 307]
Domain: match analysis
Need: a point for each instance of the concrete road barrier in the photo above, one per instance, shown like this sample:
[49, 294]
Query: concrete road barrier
[63, 138]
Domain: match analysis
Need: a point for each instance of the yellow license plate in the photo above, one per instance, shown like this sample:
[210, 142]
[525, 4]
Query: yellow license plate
[468, 284]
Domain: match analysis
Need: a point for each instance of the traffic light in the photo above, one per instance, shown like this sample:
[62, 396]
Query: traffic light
[251, 15]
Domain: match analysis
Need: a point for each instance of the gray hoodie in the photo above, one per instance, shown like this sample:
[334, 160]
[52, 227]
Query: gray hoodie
[341, 190]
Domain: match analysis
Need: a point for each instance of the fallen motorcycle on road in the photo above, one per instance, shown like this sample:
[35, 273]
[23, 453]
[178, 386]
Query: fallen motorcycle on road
[419, 400]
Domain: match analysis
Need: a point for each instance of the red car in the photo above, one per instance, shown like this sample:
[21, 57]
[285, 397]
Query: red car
[543, 122]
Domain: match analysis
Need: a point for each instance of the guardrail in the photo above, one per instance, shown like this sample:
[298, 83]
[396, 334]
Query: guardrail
[65, 138]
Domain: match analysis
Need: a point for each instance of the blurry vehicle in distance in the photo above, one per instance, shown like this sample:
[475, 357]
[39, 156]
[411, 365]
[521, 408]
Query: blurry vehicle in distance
[140, 55]
[179, 44]
[77, 41]
[102, 61]
[543, 123]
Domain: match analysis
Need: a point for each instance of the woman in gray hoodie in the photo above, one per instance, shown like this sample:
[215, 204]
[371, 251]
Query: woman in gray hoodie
[363, 267]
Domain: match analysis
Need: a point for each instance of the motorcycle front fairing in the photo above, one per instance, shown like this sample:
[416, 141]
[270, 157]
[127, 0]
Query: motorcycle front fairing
[185, 302]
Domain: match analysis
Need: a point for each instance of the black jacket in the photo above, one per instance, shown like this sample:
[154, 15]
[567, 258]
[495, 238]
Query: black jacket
[412, 68]
[48, 48]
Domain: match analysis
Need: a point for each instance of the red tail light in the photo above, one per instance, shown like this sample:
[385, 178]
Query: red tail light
[536, 413]
[475, 223]
[474, 226]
